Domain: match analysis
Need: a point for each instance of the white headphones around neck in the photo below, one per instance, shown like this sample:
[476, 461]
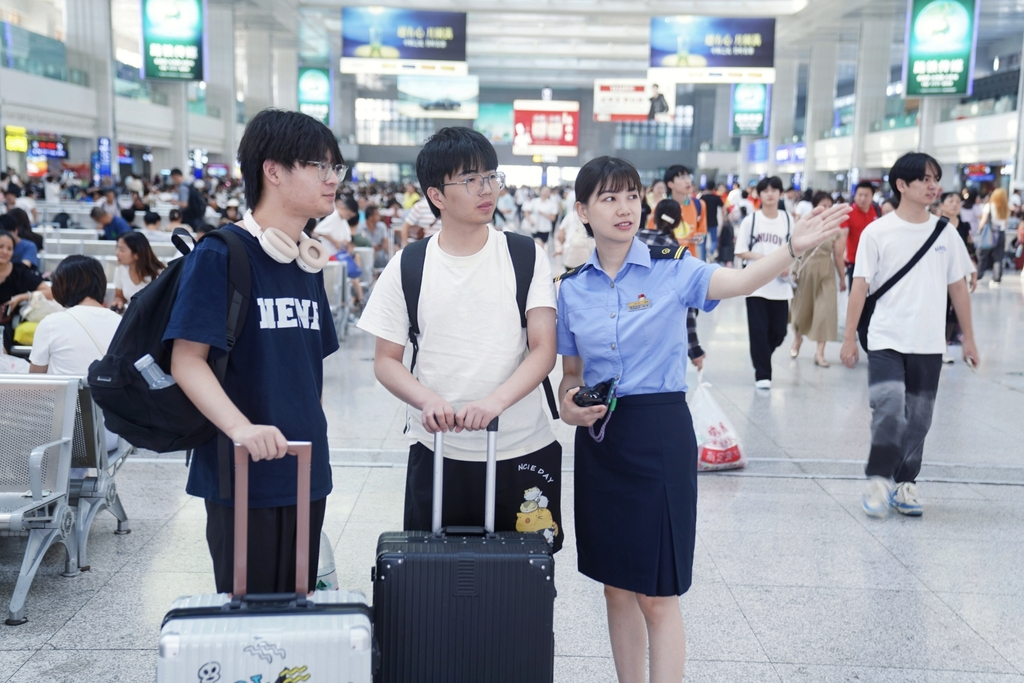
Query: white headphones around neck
[308, 254]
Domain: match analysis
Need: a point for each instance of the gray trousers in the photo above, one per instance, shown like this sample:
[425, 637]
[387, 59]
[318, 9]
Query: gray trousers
[902, 388]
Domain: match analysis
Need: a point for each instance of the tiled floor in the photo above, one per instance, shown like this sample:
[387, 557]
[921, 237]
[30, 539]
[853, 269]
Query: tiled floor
[792, 582]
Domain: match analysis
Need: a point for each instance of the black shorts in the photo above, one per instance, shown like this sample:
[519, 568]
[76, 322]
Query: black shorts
[271, 546]
[528, 495]
[542, 236]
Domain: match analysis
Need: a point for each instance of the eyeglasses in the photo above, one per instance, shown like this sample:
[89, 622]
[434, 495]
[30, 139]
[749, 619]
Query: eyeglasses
[475, 183]
[324, 169]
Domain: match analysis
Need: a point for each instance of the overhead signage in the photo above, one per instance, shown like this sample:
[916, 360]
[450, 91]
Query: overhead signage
[632, 99]
[546, 127]
[791, 154]
[103, 157]
[941, 41]
[750, 107]
[385, 40]
[172, 39]
[439, 97]
[694, 49]
[496, 122]
[315, 93]
[757, 151]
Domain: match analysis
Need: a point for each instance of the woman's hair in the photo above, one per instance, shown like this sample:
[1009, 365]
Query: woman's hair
[147, 264]
[819, 197]
[972, 196]
[151, 218]
[1000, 204]
[910, 167]
[76, 278]
[21, 221]
[8, 235]
[605, 174]
[944, 197]
[891, 201]
[174, 215]
[667, 215]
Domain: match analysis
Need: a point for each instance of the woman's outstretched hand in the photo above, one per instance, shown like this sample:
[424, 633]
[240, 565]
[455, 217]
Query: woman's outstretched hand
[817, 226]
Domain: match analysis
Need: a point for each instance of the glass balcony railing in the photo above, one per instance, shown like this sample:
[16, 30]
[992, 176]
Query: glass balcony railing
[838, 132]
[36, 54]
[894, 122]
[989, 107]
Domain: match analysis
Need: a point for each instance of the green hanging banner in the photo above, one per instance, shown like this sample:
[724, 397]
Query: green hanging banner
[172, 39]
[940, 47]
[315, 93]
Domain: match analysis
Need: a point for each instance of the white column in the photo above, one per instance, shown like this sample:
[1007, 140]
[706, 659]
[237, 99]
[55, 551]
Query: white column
[90, 47]
[344, 106]
[258, 71]
[220, 76]
[177, 100]
[783, 106]
[722, 135]
[744, 170]
[872, 79]
[286, 77]
[821, 93]
[1018, 166]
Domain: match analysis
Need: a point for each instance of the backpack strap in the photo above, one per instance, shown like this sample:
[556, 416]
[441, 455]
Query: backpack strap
[413, 258]
[891, 282]
[239, 295]
[523, 252]
[753, 232]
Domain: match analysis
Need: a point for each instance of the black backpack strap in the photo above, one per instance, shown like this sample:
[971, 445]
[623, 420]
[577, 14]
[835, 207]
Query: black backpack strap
[413, 258]
[891, 282]
[523, 253]
[239, 293]
[753, 232]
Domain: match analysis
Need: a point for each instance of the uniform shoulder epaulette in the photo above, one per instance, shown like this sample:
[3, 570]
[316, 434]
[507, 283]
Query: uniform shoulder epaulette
[668, 252]
[568, 273]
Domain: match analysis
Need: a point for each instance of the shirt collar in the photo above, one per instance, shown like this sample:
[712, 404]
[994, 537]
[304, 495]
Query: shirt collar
[638, 254]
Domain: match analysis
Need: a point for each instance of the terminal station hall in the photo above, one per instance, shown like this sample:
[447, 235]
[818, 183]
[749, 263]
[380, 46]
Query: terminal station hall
[463, 341]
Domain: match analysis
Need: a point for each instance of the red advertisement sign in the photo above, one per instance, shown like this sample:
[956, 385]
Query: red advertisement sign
[548, 127]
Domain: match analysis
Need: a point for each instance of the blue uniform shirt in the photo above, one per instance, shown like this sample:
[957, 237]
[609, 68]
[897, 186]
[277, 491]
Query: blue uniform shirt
[644, 345]
[275, 371]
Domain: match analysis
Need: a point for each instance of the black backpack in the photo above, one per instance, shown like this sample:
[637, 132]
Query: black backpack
[196, 208]
[521, 250]
[165, 420]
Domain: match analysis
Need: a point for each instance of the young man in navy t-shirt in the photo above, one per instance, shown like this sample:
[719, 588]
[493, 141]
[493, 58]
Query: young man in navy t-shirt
[272, 390]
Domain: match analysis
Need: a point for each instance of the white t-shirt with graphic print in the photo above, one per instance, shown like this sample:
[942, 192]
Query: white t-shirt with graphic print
[471, 340]
[769, 234]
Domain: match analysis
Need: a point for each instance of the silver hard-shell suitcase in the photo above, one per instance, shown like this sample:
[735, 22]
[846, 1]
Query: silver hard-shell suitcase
[279, 638]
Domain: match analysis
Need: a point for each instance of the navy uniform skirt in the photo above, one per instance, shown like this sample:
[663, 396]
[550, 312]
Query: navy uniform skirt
[636, 496]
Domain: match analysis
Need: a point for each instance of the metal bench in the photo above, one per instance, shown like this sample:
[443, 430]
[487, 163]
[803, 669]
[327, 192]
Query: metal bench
[93, 467]
[337, 286]
[37, 421]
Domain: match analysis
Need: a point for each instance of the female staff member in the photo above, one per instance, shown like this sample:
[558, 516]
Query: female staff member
[618, 316]
[137, 266]
[815, 311]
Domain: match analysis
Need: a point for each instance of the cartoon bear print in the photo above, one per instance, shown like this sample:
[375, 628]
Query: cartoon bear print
[534, 516]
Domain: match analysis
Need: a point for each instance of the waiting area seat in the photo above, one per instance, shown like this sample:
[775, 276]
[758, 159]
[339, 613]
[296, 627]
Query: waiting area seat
[37, 425]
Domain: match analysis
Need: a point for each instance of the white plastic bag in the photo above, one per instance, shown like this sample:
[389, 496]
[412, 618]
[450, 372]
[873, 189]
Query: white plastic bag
[326, 575]
[718, 444]
[11, 365]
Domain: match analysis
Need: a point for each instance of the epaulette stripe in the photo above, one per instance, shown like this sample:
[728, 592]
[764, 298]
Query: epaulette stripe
[679, 254]
[568, 273]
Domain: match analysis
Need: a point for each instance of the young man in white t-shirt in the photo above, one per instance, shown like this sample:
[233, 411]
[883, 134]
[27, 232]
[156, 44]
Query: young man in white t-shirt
[906, 337]
[541, 213]
[760, 234]
[475, 360]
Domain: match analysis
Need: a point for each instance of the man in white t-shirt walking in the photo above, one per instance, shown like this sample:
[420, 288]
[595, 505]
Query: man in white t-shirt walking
[906, 337]
[540, 214]
[761, 233]
[475, 360]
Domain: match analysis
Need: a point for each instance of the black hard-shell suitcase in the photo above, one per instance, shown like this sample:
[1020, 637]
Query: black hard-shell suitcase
[464, 604]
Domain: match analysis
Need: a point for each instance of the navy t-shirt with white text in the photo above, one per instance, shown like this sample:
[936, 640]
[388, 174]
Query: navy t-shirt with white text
[275, 371]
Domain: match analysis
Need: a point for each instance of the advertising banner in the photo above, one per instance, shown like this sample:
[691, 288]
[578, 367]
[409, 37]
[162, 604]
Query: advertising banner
[633, 99]
[103, 156]
[693, 49]
[439, 97]
[496, 122]
[940, 46]
[315, 93]
[386, 40]
[172, 39]
[751, 104]
[546, 127]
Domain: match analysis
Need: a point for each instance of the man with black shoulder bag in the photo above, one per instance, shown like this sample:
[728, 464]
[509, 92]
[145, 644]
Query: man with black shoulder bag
[908, 260]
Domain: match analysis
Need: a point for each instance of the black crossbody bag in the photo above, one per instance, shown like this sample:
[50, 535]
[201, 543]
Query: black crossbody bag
[872, 299]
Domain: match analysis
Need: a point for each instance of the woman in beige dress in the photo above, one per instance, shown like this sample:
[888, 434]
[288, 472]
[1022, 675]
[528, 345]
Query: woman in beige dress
[815, 308]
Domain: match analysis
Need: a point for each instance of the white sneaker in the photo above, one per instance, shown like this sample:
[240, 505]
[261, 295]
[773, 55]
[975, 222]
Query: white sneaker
[947, 359]
[878, 498]
[763, 384]
[905, 500]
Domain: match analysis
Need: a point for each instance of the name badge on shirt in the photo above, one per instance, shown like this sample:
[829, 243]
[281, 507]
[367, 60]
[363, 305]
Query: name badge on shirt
[640, 304]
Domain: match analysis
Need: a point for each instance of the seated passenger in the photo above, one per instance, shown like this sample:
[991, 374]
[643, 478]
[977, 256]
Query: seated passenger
[112, 226]
[17, 282]
[66, 343]
[153, 231]
[24, 250]
[137, 266]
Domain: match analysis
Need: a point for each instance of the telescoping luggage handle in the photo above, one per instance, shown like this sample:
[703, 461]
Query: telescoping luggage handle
[492, 467]
[303, 450]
